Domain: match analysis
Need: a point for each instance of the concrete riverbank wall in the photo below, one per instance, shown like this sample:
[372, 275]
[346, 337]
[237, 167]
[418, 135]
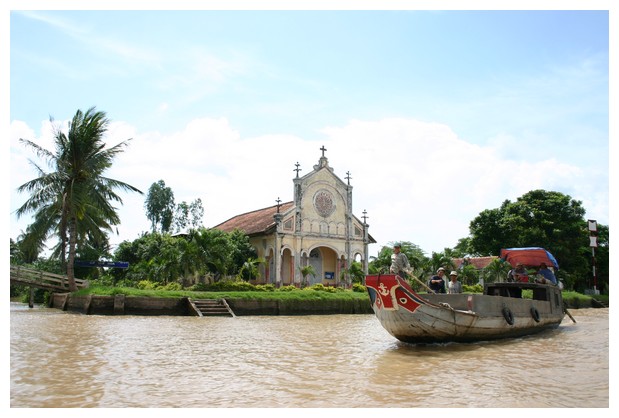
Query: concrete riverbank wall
[134, 305]
[121, 305]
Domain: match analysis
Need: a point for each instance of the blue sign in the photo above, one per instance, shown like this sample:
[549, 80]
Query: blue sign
[113, 264]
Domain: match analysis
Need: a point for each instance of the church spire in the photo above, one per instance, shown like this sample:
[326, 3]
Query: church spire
[323, 161]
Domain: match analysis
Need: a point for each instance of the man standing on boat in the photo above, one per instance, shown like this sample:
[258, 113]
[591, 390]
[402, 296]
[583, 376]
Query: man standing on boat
[454, 285]
[437, 284]
[399, 262]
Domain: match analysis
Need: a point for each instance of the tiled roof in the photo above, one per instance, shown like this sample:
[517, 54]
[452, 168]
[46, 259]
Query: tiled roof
[255, 222]
[478, 262]
[259, 221]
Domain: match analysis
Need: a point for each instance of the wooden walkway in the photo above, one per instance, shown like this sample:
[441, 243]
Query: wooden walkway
[43, 280]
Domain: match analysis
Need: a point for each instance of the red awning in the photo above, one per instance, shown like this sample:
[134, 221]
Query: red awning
[529, 257]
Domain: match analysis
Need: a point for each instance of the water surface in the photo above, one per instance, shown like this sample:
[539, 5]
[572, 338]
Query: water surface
[70, 360]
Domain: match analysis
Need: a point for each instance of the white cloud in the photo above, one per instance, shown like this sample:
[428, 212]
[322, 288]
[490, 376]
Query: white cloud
[418, 181]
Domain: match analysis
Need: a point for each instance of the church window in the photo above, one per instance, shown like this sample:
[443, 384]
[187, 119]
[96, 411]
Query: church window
[324, 228]
[288, 224]
[323, 203]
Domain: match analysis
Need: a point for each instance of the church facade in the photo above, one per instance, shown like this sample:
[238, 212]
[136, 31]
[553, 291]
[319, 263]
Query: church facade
[317, 228]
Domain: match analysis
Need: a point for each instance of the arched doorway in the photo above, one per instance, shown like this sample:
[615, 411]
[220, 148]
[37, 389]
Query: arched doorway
[315, 260]
[287, 271]
[324, 260]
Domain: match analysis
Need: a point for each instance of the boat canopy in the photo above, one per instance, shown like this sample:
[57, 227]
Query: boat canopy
[529, 257]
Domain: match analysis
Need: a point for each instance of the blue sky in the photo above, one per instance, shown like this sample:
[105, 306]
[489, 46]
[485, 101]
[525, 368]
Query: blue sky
[437, 114]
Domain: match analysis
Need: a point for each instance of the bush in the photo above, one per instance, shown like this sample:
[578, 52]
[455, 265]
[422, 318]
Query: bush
[199, 287]
[104, 280]
[170, 286]
[224, 286]
[287, 288]
[319, 287]
[146, 285]
[475, 288]
[357, 287]
[265, 287]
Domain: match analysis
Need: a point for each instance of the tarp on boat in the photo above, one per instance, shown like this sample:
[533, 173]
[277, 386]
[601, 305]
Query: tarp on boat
[529, 257]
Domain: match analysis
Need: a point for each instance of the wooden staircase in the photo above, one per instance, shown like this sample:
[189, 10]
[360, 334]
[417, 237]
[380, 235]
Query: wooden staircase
[595, 303]
[210, 307]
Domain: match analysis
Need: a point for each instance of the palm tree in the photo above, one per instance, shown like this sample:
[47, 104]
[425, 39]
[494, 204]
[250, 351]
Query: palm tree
[354, 272]
[469, 274]
[496, 271]
[438, 260]
[305, 271]
[251, 268]
[73, 201]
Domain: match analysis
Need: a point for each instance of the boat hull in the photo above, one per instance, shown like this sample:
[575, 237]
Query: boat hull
[431, 318]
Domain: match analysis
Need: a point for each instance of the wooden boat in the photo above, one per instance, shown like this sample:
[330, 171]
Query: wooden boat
[500, 312]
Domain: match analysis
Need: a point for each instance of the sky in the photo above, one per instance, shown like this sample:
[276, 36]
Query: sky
[436, 114]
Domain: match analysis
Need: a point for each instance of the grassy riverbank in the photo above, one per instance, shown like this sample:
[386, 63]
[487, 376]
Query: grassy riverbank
[301, 294]
[571, 299]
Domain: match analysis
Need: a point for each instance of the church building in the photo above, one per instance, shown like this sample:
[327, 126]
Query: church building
[317, 228]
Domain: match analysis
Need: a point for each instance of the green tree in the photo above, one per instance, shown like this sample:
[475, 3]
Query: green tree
[490, 231]
[162, 258]
[251, 268]
[463, 248]
[218, 250]
[188, 216]
[30, 246]
[468, 274]
[17, 257]
[74, 200]
[126, 251]
[193, 256]
[160, 206]
[158, 258]
[602, 253]
[240, 250]
[306, 271]
[539, 218]
[438, 260]
[354, 272]
[382, 262]
[496, 271]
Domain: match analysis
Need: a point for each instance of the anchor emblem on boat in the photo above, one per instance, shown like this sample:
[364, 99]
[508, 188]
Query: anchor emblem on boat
[382, 289]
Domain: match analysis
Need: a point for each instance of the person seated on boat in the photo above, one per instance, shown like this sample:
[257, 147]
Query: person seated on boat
[437, 284]
[399, 262]
[518, 274]
[454, 285]
[545, 275]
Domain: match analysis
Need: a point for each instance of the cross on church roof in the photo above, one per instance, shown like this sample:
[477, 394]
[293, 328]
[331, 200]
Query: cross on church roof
[348, 177]
[278, 204]
[297, 169]
[323, 149]
[364, 217]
